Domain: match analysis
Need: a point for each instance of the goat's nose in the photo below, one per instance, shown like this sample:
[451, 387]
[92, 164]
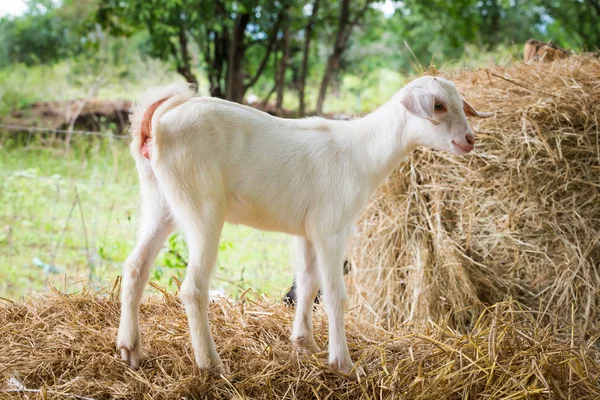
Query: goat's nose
[470, 139]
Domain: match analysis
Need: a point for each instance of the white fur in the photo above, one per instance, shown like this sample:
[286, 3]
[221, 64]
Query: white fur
[215, 161]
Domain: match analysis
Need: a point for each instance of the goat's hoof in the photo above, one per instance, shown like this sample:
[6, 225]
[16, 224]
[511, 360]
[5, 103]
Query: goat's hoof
[213, 366]
[131, 355]
[216, 370]
[219, 370]
[129, 343]
[305, 346]
[356, 374]
[347, 368]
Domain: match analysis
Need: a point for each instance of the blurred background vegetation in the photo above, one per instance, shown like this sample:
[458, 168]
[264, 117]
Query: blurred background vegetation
[289, 49]
[68, 211]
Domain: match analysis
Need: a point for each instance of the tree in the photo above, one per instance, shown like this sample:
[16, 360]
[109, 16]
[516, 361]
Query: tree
[280, 76]
[308, 33]
[227, 33]
[243, 44]
[45, 33]
[573, 23]
[346, 21]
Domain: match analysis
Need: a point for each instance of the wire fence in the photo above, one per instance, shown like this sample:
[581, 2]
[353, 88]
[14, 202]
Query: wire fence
[19, 129]
[70, 215]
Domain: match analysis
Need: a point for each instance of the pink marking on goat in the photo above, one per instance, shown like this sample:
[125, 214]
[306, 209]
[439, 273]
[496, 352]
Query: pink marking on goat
[147, 128]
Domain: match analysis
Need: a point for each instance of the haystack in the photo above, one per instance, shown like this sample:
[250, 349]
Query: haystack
[63, 347]
[520, 217]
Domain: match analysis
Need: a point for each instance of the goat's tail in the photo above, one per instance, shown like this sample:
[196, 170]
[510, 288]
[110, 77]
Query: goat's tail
[148, 109]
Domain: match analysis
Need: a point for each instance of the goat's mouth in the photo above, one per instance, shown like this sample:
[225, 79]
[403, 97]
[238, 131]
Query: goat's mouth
[463, 148]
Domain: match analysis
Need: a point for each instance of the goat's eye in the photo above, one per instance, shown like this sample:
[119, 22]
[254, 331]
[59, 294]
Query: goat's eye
[438, 107]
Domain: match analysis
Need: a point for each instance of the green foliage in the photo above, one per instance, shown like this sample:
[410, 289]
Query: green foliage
[573, 23]
[194, 36]
[46, 33]
[174, 27]
[174, 260]
[433, 31]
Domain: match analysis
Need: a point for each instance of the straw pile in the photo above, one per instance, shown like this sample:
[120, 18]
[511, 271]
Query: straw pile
[519, 217]
[62, 346]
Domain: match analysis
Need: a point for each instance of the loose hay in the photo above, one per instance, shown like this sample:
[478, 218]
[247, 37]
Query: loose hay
[64, 345]
[519, 217]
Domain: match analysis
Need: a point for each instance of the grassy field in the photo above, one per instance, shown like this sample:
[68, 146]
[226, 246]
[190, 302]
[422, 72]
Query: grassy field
[71, 216]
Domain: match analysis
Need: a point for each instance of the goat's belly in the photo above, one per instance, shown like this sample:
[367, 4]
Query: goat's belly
[241, 212]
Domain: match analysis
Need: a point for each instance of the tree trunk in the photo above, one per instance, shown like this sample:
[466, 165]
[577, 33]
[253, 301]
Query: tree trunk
[334, 59]
[270, 45]
[306, 53]
[216, 63]
[267, 98]
[280, 78]
[494, 14]
[217, 72]
[235, 87]
[265, 101]
[183, 66]
[186, 72]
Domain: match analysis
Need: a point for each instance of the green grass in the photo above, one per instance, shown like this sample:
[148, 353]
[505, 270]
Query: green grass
[68, 217]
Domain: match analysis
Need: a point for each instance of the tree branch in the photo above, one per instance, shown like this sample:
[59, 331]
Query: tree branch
[183, 65]
[596, 5]
[255, 42]
[360, 14]
[308, 31]
[263, 63]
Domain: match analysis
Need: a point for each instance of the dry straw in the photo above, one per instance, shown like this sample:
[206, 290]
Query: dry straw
[519, 217]
[62, 346]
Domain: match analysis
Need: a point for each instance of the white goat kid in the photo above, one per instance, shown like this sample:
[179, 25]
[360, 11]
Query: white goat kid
[204, 161]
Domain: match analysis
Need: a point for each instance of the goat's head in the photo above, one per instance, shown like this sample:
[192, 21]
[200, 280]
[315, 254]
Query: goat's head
[441, 115]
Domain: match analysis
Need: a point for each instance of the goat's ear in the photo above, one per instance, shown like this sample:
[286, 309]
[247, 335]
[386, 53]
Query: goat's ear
[419, 103]
[471, 112]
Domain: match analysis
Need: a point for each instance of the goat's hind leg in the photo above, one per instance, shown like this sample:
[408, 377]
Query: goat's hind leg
[155, 227]
[201, 214]
[203, 233]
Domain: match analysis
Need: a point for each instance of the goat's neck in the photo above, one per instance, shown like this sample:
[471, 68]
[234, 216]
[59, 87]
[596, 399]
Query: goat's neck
[381, 141]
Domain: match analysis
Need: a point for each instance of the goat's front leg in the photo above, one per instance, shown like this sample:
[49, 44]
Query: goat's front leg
[155, 228]
[307, 286]
[330, 257]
